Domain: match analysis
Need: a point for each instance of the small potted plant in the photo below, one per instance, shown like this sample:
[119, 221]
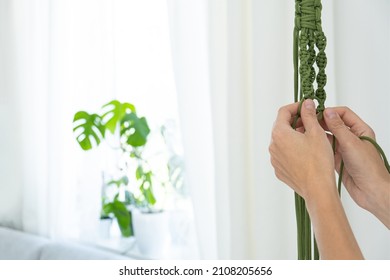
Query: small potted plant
[119, 123]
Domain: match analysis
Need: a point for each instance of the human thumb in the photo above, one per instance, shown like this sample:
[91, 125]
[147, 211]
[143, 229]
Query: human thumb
[337, 127]
[309, 116]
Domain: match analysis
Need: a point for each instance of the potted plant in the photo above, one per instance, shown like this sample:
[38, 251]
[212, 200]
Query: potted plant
[119, 123]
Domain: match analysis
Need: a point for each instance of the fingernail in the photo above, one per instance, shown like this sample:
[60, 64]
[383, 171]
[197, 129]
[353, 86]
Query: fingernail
[309, 104]
[330, 113]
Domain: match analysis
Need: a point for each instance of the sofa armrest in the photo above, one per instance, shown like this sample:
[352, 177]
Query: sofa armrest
[17, 245]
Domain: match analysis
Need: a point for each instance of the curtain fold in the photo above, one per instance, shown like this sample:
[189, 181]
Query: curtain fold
[188, 24]
[230, 24]
[30, 21]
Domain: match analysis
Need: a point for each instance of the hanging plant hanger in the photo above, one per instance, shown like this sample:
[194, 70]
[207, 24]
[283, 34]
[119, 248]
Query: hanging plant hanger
[309, 58]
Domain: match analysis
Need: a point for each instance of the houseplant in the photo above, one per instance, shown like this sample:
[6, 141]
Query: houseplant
[119, 124]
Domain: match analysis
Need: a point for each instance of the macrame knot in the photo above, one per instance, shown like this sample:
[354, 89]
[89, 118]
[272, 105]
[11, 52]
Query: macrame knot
[309, 14]
[321, 60]
[297, 7]
[309, 37]
[321, 40]
[317, 3]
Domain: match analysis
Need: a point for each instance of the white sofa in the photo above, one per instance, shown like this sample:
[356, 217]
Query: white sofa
[17, 245]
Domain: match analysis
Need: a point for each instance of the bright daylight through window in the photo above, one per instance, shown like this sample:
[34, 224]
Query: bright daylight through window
[143, 190]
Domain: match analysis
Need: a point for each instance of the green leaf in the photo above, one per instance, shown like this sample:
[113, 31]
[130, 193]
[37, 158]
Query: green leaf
[113, 182]
[148, 177]
[136, 130]
[122, 181]
[122, 215]
[116, 197]
[139, 173]
[148, 192]
[116, 111]
[88, 127]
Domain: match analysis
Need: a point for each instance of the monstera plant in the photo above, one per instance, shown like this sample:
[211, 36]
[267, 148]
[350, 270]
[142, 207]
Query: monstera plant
[119, 121]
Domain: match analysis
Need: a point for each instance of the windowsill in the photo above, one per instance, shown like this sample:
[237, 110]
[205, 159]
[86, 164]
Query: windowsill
[128, 247]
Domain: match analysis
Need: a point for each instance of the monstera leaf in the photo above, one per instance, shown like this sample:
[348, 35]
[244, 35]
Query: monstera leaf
[88, 127]
[114, 114]
[136, 130]
[122, 215]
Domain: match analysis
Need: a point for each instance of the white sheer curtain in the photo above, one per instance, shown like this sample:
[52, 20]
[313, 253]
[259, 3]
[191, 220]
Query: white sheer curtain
[58, 57]
[53, 66]
[242, 58]
[189, 29]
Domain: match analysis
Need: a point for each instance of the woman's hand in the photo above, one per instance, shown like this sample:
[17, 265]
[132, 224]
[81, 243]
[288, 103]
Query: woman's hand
[304, 160]
[365, 176]
[302, 157]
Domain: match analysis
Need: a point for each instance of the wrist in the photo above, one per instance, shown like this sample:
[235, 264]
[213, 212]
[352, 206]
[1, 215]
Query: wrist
[333, 233]
[320, 189]
[380, 205]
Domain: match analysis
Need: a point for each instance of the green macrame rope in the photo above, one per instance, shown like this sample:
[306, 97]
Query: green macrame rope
[308, 36]
[378, 148]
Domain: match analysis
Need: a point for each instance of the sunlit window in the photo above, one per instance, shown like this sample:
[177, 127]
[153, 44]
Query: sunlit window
[123, 53]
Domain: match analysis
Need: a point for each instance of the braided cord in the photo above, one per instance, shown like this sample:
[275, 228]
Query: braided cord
[308, 36]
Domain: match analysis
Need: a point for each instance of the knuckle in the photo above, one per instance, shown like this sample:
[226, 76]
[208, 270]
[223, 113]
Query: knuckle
[371, 132]
[270, 150]
[282, 109]
[275, 135]
[277, 174]
[272, 161]
[338, 124]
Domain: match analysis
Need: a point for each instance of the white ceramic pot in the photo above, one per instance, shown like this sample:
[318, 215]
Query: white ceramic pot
[151, 231]
[105, 228]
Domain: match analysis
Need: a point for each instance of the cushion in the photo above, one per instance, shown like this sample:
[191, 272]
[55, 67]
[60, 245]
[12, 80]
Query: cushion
[16, 245]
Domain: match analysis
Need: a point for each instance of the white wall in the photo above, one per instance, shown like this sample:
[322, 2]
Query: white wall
[272, 86]
[362, 40]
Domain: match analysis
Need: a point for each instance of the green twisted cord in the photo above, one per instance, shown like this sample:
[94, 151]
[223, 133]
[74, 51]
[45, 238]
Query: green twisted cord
[308, 34]
[321, 62]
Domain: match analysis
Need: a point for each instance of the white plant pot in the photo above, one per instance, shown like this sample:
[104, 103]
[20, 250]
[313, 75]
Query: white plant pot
[151, 231]
[104, 228]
